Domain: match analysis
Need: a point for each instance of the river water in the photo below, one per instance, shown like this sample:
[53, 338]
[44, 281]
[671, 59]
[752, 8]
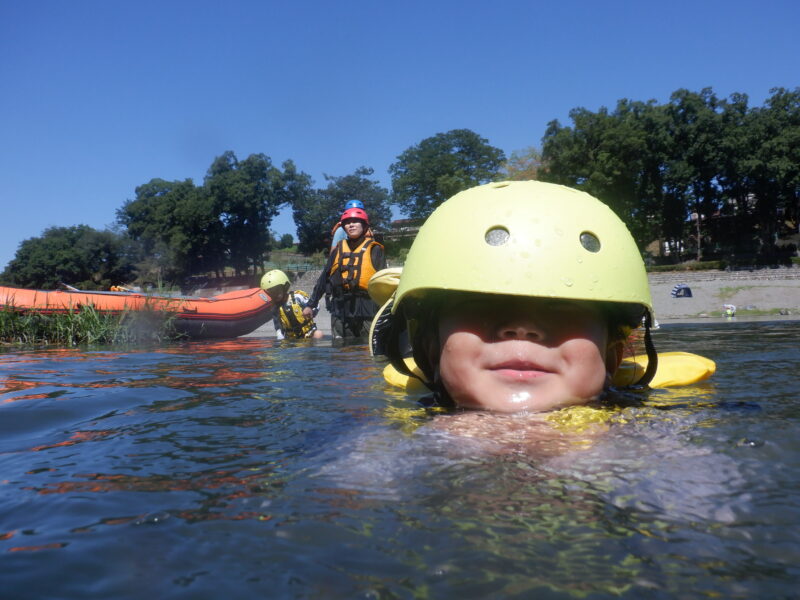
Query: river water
[255, 468]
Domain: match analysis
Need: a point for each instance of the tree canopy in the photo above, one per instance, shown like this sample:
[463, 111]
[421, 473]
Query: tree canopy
[438, 167]
[316, 215]
[187, 229]
[523, 165]
[79, 256]
[175, 227]
[705, 175]
[244, 197]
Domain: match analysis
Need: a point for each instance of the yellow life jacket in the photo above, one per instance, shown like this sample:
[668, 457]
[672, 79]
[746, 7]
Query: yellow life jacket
[354, 267]
[293, 321]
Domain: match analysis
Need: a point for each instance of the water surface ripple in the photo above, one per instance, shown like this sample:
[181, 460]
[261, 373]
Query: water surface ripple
[289, 470]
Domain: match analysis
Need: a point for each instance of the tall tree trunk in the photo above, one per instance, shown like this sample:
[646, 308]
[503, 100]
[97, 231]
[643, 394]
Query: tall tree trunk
[699, 232]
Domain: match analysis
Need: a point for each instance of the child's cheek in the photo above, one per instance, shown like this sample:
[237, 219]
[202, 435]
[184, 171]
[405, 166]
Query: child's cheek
[458, 359]
[586, 367]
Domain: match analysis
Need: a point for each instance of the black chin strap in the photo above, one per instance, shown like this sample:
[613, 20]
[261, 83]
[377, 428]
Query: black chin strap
[652, 355]
[394, 344]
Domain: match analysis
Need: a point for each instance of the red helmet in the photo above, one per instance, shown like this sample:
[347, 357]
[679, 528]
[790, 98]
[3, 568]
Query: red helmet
[355, 213]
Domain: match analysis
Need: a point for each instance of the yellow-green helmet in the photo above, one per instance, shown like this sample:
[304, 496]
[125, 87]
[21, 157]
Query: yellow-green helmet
[273, 279]
[527, 238]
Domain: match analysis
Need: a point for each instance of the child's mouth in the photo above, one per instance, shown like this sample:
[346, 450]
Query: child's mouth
[519, 370]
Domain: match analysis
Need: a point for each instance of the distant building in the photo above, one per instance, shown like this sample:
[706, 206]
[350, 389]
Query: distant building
[403, 228]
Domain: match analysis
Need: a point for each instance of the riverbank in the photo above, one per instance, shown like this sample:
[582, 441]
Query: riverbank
[757, 295]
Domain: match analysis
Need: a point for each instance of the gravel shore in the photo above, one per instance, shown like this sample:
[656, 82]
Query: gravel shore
[756, 294]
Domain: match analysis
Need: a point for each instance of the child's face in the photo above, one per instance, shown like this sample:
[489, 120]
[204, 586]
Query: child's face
[511, 354]
[278, 294]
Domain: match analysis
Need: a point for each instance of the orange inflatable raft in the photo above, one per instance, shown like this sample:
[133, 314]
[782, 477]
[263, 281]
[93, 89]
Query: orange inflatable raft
[226, 315]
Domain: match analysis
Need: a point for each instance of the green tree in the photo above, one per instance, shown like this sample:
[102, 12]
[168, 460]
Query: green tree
[438, 167]
[176, 225]
[316, 215]
[695, 163]
[188, 230]
[773, 166]
[245, 196]
[700, 173]
[609, 155]
[286, 241]
[523, 165]
[359, 186]
[79, 256]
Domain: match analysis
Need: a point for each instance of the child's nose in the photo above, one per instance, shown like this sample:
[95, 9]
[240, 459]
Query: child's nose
[522, 328]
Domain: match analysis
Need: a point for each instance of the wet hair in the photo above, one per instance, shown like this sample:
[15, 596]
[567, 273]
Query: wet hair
[418, 336]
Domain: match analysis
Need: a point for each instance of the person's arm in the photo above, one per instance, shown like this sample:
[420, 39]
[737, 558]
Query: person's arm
[319, 288]
[302, 299]
[276, 322]
[378, 259]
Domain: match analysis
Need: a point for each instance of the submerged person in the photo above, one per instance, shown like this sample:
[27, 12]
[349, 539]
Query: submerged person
[289, 320]
[346, 275]
[338, 233]
[518, 296]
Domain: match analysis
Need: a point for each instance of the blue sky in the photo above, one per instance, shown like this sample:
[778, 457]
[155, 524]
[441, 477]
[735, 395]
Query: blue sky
[100, 97]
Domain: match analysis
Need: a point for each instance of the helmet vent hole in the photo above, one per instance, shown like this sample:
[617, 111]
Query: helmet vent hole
[590, 242]
[497, 236]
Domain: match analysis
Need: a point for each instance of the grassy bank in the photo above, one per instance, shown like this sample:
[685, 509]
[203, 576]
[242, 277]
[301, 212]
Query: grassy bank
[85, 326]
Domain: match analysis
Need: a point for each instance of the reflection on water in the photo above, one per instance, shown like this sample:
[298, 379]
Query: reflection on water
[289, 470]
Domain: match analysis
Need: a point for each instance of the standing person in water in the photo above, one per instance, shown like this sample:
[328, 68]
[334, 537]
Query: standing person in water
[350, 265]
[517, 296]
[338, 233]
[289, 320]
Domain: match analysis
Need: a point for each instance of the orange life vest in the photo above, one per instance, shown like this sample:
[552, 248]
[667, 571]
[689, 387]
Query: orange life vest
[354, 267]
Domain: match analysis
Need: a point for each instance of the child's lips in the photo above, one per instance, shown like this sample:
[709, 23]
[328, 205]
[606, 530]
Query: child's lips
[519, 370]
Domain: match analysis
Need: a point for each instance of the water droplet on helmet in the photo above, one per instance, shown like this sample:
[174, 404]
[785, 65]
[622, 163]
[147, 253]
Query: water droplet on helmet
[567, 281]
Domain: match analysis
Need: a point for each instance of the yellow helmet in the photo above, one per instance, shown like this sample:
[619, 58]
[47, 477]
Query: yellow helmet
[273, 279]
[521, 238]
[527, 238]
